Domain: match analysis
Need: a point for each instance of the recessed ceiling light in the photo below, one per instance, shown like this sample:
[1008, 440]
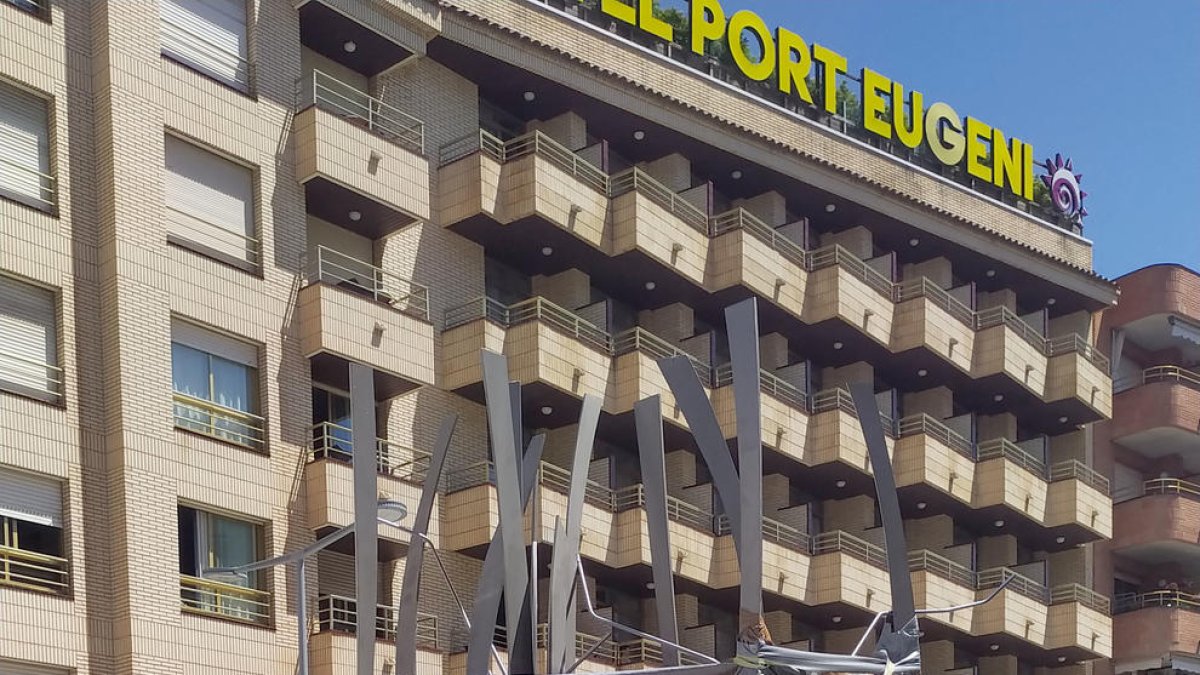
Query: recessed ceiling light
[547, 250]
[1060, 540]
[1062, 420]
[639, 135]
[736, 174]
[840, 483]
[355, 215]
[650, 285]
[994, 647]
[836, 619]
[838, 345]
[1062, 659]
[1050, 301]
[529, 96]
[546, 410]
[830, 208]
[998, 397]
[999, 523]
[990, 273]
[922, 372]
[350, 47]
[914, 241]
[921, 506]
[650, 585]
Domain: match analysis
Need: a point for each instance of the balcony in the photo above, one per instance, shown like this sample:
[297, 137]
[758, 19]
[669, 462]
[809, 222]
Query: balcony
[1078, 375]
[650, 218]
[356, 153]
[1161, 525]
[1147, 626]
[929, 318]
[1007, 477]
[351, 310]
[929, 454]
[849, 571]
[784, 416]
[835, 435]
[528, 177]
[1020, 611]
[1006, 345]
[636, 374]
[1078, 623]
[941, 582]
[332, 648]
[329, 479]
[1078, 500]
[1155, 414]
[749, 253]
[842, 286]
[34, 571]
[545, 344]
[222, 423]
[225, 601]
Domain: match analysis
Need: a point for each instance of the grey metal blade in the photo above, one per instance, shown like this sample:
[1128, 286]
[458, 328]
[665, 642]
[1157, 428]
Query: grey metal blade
[406, 612]
[741, 324]
[647, 415]
[366, 511]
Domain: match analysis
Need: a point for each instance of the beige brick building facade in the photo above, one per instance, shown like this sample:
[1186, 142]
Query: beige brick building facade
[209, 208]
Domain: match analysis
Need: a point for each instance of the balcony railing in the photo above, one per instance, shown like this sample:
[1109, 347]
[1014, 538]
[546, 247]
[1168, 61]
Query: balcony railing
[642, 340]
[928, 561]
[26, 376]
[332, 441]
[641, 651]
[339, 614]
[1075, 469]
[1172, 374]
[840, 399]
[1131, 602]
[1074, 343]
[636, 179]
[216, 60]
[924, 424]
[26, 183]
[773, 531]
[533, 309]
[924, 288]
[769, 383]
[338, 269]
[1172, 486]
[829, 256]
[1081, 594]
[204, 596]
[359, 108]
[34, 571]
[1002, 447]
[844, 542]
[538, 143]
[993, 577]
[741, 219]
[220, 422]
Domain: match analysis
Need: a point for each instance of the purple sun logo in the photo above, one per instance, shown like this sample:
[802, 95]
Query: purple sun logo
[1063, 183]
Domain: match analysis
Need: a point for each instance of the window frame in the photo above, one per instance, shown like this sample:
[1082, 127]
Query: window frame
[212, 414]
[48, 206]
[203, 547]
[250, 88]
[55, 393]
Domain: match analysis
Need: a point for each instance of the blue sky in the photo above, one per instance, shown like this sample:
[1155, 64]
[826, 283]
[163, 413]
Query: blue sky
[1113, 85]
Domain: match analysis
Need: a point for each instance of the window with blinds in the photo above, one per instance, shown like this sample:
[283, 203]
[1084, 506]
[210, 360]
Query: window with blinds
[210, 203]
[29, 340]
[31, 532]
[208, 36]
[25, 148]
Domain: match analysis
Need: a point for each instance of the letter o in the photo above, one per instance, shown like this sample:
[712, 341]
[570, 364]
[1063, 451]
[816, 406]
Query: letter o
[756, 70]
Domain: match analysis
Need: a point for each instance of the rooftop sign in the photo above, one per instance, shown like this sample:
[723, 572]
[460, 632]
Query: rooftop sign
[785, 60]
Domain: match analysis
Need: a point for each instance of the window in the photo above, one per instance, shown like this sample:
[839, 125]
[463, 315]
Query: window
[331, 424]
[31, 535]
[215, 380]
[210, 203]
[29, 341]
[25, 148]
[208, 541]
[208, 36]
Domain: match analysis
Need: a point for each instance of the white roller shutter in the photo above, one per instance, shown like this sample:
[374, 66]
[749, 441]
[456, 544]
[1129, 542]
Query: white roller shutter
[208, 35]
[24, 147]
[210, 200]
[28, 339]
[31, 498]
[209, 342]
[13, 668]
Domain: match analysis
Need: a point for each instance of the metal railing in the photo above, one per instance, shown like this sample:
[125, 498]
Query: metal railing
[773, 531]
[339, 614]
[1171, 486]
[1075, 469]
[839, 398]
[338, 269]
[925, 560]
[204, 596]
[640, 651]
[1173, 374]
[829, 256]
[558, 479]
[1075, 343]
[32, 570]
[1131, 602]
[215, 237]
[1081, 594]
[360, 108]
[940, 297]
[1003, 316]
[221, 422]
[333, 441]
[741, 219]
[472, 475]
[193, 49]
[532, 309]
[844, 542]
[642, 340]
[636, 179]
[924, 424]
[768, 383]
[24, 182]
[16, 372]
[1002, 447]
[538, 143]
[993, 577]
